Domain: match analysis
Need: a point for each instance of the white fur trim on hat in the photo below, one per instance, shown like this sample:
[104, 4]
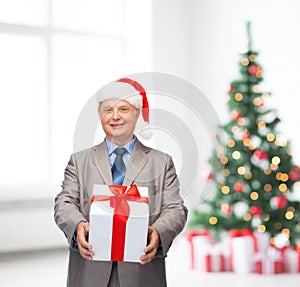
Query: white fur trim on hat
[121, 91]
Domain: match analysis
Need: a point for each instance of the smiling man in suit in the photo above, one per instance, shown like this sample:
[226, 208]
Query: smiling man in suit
[120, 105]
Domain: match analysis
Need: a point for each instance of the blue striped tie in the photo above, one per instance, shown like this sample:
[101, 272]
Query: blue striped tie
[118, 169]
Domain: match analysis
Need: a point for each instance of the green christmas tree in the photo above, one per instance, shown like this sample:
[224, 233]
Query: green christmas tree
[252, 166]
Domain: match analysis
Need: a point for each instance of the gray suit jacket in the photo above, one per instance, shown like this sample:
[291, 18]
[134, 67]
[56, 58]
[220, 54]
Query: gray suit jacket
[147, 167]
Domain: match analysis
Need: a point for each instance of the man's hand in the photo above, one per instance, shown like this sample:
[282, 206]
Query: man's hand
[85, 249]
[151, 249]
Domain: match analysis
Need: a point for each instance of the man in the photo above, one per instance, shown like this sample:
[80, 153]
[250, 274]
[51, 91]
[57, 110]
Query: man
[119, 108]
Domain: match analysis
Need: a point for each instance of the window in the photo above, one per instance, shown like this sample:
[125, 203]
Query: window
[54, 55]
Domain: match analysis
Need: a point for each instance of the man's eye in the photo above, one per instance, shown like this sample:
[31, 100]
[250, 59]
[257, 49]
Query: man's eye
[124, 109]
[108, 110]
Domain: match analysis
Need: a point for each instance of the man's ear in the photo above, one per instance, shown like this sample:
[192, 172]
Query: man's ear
[99, 110]
[138, 111]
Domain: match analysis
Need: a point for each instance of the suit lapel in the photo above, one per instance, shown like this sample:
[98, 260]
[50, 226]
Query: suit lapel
[101, 161]
[137, 162]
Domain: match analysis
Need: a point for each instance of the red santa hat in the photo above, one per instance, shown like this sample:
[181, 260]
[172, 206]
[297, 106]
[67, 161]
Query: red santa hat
[128, 90]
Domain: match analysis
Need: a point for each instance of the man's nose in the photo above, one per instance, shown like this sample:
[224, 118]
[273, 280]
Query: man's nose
[116, 114]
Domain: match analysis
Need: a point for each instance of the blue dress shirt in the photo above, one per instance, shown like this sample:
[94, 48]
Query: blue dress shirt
[126, 157]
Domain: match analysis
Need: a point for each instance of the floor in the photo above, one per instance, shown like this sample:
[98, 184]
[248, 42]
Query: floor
[49, 269]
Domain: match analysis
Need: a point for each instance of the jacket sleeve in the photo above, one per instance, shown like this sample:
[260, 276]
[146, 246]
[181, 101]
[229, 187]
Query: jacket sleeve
[67, 202]
[173, 214]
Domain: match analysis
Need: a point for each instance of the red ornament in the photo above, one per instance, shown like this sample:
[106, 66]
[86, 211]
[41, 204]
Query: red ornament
[278, 202]
[226, 209]
[235, 115]
[216, 136]
[260, 154]
[255, 210]
[209, 176]
[294, 175]
[238, 187]
[296, 168]
[230, 90]
[253, 69]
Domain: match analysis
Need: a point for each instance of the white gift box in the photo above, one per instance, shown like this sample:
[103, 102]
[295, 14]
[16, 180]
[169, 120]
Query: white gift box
[270, 262]
[198, 243]
[119, 219]
[292, 261]
[242, 247]
[242, 254]
[201, 245]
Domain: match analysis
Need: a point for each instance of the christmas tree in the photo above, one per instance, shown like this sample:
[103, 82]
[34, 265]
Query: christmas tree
[252, 166]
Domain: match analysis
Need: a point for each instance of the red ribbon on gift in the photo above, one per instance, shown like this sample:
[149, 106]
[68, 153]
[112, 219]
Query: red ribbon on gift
[209, 263]
[298, 257]
[119, 201]
[297, 249]
[240, 233]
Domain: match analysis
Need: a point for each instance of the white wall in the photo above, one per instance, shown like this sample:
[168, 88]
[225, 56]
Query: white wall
[171, 37]
[218, 29]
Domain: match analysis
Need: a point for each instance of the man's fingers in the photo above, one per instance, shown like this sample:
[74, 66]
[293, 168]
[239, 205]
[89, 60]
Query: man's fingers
[148, 257]
[81, 239]
[153, 240]
[84, 247]
[149, 247]
[86, 253]
[85, 250]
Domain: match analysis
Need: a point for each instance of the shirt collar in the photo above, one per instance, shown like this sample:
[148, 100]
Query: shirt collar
[111, 146]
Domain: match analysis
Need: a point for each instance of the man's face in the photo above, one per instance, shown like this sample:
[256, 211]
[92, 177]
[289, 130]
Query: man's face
[118, 119]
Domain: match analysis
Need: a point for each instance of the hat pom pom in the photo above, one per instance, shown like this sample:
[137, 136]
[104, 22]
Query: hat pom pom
[146, 133]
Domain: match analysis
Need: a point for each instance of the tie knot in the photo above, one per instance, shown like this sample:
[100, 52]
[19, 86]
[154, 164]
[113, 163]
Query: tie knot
[120, 151]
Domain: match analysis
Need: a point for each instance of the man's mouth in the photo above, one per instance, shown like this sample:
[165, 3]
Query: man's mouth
[116, 126]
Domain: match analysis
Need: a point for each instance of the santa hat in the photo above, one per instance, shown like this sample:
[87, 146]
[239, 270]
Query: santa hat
[132, 92]
[128, 90]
